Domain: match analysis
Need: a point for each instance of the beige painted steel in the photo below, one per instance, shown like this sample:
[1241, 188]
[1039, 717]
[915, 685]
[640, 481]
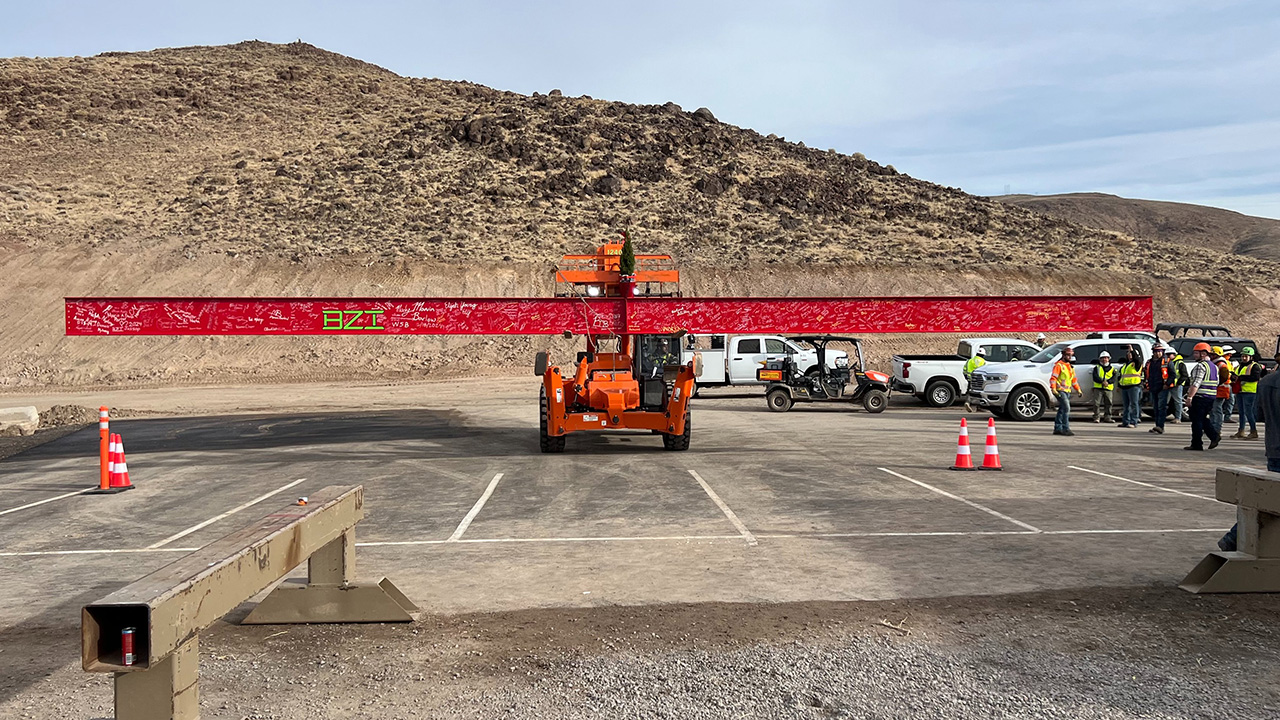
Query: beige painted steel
[168, 608]
[1255, 564]
[172, 604]
[170, 689]
[331, 594]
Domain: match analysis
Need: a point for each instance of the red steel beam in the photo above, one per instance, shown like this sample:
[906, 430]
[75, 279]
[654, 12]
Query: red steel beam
[549, 316]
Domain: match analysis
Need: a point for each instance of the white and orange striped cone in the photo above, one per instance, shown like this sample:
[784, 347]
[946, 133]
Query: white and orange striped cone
[991, 456]
[112, 451]
[120, 477]
[964, 460]
[117, 472]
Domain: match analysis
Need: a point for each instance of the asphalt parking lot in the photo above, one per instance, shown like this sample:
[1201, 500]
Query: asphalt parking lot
[465, 515]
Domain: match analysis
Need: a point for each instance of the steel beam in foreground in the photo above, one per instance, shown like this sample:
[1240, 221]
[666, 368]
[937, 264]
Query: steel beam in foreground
[1255, 564]
[168, 608]
[640, 315]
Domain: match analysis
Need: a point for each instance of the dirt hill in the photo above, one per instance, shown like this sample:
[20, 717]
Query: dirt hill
[263, 169]
[1181, 223]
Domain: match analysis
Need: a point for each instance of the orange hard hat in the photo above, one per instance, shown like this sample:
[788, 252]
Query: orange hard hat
[1203, 347]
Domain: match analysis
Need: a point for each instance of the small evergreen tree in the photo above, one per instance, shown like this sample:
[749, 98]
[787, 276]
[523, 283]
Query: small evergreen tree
[627, 263]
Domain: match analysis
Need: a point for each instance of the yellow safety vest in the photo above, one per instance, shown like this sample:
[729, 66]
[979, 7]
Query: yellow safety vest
[1245, 386]
[1063, 378]
[1102, 377]
[974, 363]
[1130, 375]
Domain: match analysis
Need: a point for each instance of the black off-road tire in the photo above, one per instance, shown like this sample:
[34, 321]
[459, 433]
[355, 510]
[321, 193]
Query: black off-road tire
[778, 400]
[875, 401]
[681, 441]
[547, 443]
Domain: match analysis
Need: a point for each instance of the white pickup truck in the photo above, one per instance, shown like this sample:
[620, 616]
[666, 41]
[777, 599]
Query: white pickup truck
[939, 379]
[1020, 390]
[733, 360]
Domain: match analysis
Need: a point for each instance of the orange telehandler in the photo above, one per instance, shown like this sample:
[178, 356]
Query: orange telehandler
[621, 381]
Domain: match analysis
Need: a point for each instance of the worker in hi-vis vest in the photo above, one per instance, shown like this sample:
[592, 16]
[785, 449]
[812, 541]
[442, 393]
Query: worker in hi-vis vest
[1131, 389]
[978, 360]
[1062, 381]
[1104, 381]
[1249, 372]
[1202, 391]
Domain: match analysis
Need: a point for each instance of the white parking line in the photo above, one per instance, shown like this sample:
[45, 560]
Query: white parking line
[970, 503]
[666, 538]
[742, 529]
[232, 511]
[1144, 484]
[41, 502]
[475, 510]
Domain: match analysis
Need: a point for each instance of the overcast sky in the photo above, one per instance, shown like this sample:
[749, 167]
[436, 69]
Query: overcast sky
[1161, 99]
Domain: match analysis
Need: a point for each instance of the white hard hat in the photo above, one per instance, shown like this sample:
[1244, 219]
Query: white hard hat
[982, 351]
[1227, 349]
[1040, 336]
[1168, 348]
[1104, 354]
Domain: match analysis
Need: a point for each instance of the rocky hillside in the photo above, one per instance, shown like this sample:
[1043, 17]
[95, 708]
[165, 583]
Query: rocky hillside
[285, 169]
[1181, 223]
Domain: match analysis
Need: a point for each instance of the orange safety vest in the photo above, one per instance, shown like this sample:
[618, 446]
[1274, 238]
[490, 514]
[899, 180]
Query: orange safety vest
[1224, 378]
[1063, 377]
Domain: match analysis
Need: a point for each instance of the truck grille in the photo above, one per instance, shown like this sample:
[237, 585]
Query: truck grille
[976, 382]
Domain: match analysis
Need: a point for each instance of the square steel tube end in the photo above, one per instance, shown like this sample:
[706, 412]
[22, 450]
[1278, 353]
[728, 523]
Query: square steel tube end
[101, 635]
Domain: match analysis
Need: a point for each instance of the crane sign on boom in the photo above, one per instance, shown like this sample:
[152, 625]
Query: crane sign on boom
[630, 375]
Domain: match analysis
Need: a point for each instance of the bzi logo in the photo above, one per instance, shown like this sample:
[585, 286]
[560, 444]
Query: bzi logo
[352, 319]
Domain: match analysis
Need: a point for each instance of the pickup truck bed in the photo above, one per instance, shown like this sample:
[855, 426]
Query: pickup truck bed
[912, 358]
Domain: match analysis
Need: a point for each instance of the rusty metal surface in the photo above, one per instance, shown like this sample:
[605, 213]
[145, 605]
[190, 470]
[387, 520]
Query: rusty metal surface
[1255, 564]
[549, 316]
[188, 595]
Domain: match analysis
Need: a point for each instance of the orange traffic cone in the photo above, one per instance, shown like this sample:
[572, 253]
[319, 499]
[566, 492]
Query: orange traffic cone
[120, 478]
[964, 461]
[117, 471]
[991, 456]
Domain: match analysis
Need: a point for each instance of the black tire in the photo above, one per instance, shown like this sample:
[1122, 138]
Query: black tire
[875, 401]
[547, 443]
[778, 400]
[940, 394]
[681, 441]
[1026, 404]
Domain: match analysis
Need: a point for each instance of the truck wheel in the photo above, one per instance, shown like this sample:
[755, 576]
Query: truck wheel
[681, 441]
[1026, 405]
[875, 401]
[940, 394]
[779, 400]
[547, 443]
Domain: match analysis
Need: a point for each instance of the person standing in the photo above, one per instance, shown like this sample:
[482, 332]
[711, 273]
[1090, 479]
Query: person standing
[1131, 389]
[1224, 388]
[1177, 384]
[1041, 341]
[1104, 381]
[1063, 382]
[1268, 406]
[1155, 378]
[1248, 373]
[978, 360]
[1228, 407]
[1202, 393]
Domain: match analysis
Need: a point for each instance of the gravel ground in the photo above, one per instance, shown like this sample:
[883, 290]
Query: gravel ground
[1106, 653]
